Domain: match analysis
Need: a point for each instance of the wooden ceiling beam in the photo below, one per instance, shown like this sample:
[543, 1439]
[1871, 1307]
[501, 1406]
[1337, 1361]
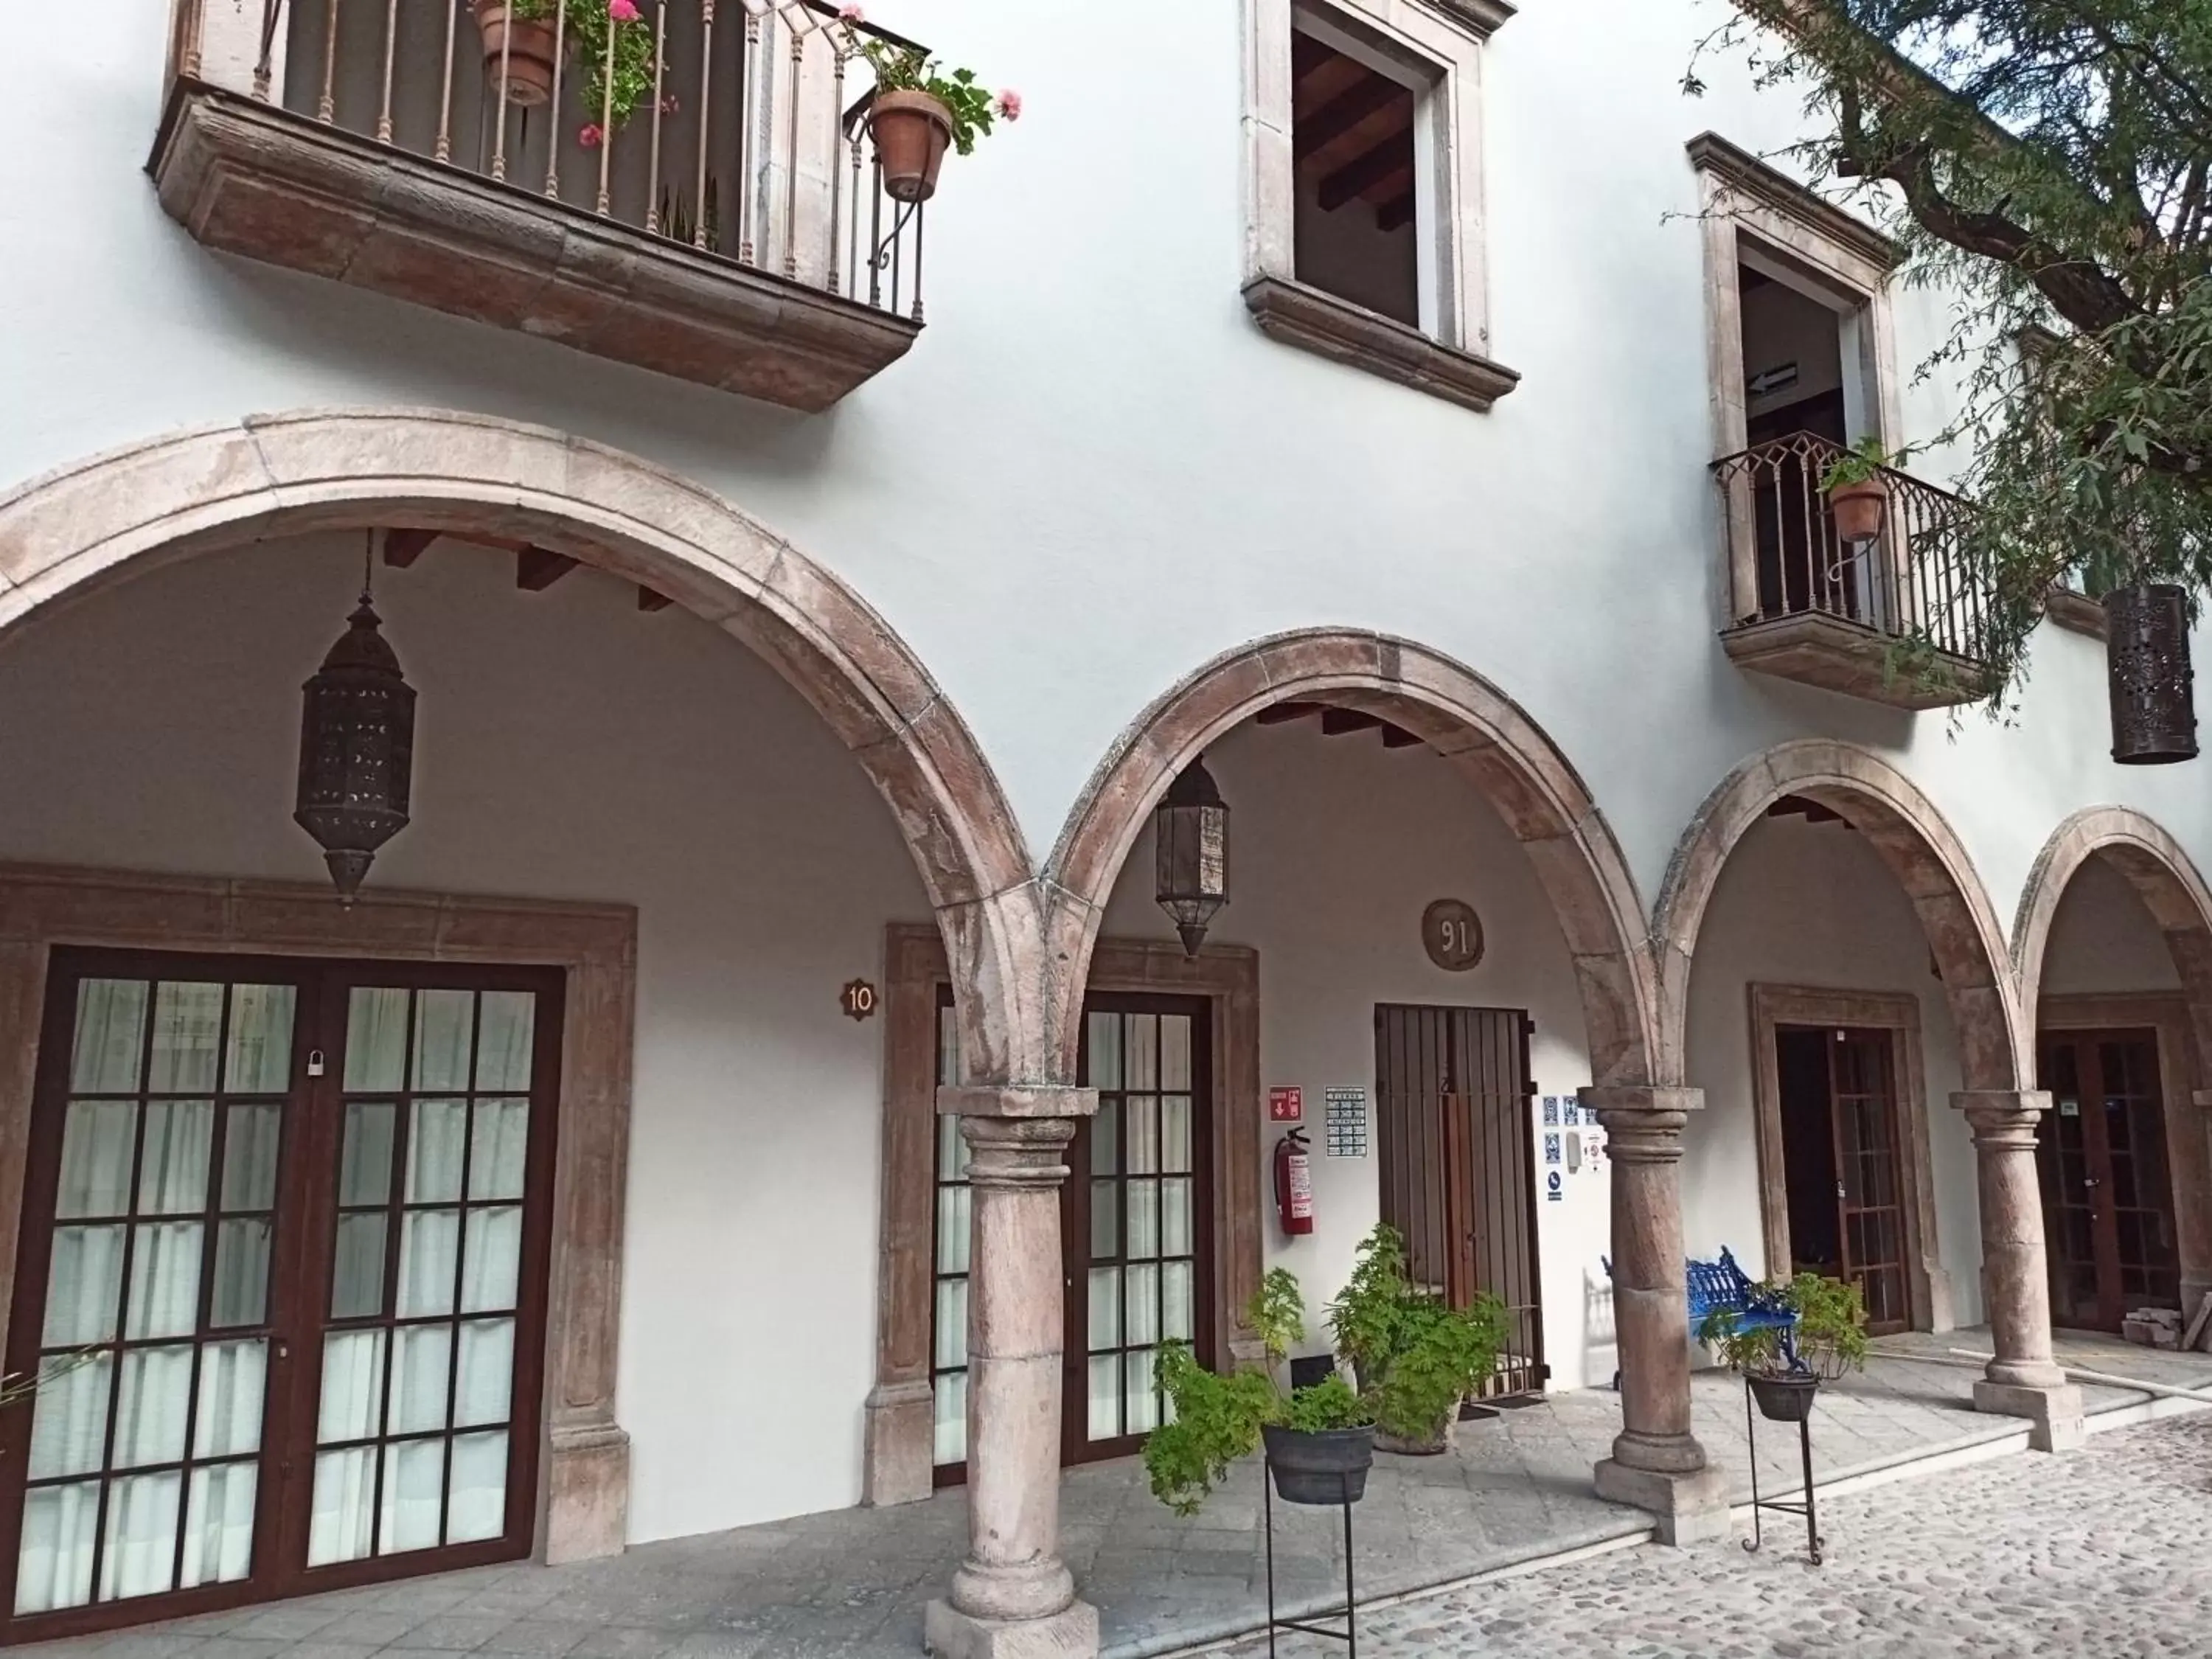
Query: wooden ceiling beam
[1811, 811]
[1339, 722]
[1395, 213]
[1386, 160]
[649, 600]
[1345, 112]
[536, 569]
[1282, 713]
[1397, 737]
[403, 547]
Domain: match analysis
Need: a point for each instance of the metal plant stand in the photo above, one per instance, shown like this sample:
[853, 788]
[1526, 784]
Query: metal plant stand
[1813, 1539]
[1350, 1634]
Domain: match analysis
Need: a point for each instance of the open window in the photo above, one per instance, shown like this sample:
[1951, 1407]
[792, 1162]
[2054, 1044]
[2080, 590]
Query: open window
[1363, 187]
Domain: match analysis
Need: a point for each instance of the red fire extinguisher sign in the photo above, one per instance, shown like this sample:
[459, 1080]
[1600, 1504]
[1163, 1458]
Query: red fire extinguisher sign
[1294, 1200]
[1286, 1105]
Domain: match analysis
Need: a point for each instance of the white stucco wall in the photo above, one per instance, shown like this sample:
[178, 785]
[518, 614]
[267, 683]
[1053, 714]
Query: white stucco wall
[1339, 846]
[2103, 939]
[1812, 904]
[566, 747]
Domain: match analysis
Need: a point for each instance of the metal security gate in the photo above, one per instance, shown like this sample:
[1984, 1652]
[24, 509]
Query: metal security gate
[1457, 1145]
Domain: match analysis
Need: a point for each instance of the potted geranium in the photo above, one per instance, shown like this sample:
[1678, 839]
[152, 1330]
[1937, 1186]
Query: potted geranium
[1417, 1357]
[608, 40]
[1785, 1365]
[1857, 496]
[1320, 1439]
[917, 110]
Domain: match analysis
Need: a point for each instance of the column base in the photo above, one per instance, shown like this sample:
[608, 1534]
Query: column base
[1689, 1509]
[2055, 1416]
[1071, 1633]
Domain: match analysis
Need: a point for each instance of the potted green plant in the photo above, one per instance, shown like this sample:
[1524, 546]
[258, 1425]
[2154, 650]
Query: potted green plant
[1320, 1439]
[1415, 1356]
[1857, 496]
[610, 40]
[1785, 1365]
[917, 110]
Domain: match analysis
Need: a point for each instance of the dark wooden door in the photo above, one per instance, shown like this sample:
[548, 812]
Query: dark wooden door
[1137, 1215]
[283, 1263]
[1456, 1143]
[2107, 1188]
[1869, 1191]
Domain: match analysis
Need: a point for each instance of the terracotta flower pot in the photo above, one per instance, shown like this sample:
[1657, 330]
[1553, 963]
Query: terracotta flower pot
[1859, 508]
[523, 45]
[912, 131]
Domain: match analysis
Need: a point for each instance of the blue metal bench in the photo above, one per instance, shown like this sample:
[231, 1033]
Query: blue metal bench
[1723, 1284]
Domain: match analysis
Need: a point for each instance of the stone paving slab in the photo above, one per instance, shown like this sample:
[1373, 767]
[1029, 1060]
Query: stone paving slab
[2099, 1551]
[850, 1584]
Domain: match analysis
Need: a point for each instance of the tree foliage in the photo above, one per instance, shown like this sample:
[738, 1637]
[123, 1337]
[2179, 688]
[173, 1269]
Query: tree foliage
[2050, 162]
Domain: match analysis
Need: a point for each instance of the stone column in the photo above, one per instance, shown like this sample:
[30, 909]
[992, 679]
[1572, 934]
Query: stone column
[1013, 1598]
[2021, 1381]
[1657, 1462]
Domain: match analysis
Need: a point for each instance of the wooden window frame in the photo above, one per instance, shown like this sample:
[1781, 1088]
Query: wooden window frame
[583, 1471]
[1927, 1283]
[898, 1455]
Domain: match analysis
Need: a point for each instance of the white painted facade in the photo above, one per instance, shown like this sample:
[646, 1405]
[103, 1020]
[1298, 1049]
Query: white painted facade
[1092, 475]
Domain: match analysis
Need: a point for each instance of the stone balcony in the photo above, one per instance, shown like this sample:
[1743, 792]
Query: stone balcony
[1895, 619]
[732, 231]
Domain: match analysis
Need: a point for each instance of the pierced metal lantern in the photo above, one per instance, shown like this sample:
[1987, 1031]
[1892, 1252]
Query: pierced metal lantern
[2147, 667]
[1191, 832]
[356, 752]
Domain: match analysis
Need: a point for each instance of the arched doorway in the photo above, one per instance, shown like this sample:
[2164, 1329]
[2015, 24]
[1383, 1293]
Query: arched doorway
[584, 841]
[2114, 948]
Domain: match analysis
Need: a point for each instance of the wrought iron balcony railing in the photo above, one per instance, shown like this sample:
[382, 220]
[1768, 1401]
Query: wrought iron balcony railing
[545, 170]
[1898, 617]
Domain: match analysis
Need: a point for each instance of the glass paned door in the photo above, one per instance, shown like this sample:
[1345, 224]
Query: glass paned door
[415, 1410]
[280, 1270]
[155, 1192]
[948, 1360]
[2107, 1188]
[1869, 1193]
[1136, 1215]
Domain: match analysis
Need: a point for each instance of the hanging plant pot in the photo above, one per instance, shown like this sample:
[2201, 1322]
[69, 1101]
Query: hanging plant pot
[1330, 1467]
[523, 47]
[1785, 1399]
[1859, 509]
[912, 131]
[2147, 672]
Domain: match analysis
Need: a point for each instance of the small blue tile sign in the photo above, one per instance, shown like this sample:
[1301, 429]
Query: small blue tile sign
[1551, 1111]
[1552, 1189]
[1551, 1148]
[1571, 1111]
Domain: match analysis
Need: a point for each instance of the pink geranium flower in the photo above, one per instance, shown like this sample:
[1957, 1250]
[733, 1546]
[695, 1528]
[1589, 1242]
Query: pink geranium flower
[851, 14]
[590, 135]
[623, 11]
[1010, 105]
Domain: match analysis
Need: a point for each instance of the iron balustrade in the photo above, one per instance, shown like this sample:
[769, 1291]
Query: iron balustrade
[1909, 583]
[751, 145]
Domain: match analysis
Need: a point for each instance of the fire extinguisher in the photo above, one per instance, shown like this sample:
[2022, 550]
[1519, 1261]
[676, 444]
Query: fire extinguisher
[1294, 1184]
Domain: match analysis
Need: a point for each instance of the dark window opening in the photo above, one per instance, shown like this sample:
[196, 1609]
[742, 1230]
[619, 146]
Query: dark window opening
[1354, 228]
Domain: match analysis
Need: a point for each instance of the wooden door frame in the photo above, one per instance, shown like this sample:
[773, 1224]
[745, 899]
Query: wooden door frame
[2189, 1157]
[583, 1479]
[898, 1461]
[1927, 1283]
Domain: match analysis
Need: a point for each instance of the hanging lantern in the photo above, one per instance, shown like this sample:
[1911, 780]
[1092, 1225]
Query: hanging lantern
[1191, 831]
[356, 750]
[2147, 667]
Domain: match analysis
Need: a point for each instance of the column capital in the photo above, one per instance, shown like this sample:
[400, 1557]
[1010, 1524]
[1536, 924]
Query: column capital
[1016, 1100]
[1644, 1123]
[1626, 1097]
[2003, 1117]
[1016, 1152]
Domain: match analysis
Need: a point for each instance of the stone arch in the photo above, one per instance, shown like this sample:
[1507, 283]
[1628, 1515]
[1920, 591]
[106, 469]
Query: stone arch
[1996, 1041]
[66, 534]
[1459, 715]
[2163, 878]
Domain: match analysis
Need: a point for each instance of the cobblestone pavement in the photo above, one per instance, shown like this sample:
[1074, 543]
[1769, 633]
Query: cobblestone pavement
[2100, 1552]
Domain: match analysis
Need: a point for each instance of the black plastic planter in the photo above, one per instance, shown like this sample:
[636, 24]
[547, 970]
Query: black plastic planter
[1785, 1399]
[1326, 1468]
[2147, 671]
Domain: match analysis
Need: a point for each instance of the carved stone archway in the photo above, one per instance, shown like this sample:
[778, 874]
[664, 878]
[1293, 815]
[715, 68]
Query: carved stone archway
[2175, 893]
[66, 534]
[1470, 723]
[1996, 1040]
